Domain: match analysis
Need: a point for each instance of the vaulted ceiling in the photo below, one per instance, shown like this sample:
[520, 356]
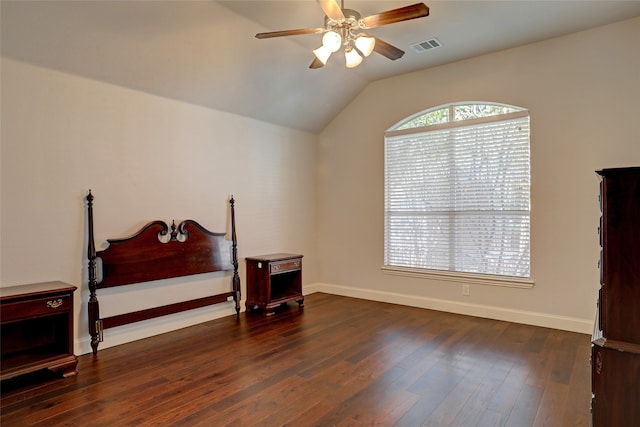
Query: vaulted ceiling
[205, 53]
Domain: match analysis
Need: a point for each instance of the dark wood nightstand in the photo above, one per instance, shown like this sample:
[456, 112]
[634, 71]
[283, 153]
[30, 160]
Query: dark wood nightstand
[36, 329]
[273, 280]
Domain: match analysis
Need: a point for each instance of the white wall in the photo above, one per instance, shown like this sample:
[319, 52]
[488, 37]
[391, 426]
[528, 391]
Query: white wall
[145, 158]
[582, 91]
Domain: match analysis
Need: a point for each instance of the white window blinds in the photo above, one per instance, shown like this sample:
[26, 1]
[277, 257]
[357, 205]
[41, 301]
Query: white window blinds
[457, 196]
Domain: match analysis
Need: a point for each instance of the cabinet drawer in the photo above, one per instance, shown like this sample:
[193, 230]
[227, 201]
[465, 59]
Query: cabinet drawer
[36, 307]
[284, 266]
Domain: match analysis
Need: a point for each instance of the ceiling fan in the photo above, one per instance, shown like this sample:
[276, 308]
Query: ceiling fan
[341, 29]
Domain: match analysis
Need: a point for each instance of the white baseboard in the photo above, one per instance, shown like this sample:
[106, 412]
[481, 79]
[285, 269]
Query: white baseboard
[564, 323]
[141, 330]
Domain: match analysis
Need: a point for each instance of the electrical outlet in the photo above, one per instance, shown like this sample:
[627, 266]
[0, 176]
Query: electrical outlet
[465, 290]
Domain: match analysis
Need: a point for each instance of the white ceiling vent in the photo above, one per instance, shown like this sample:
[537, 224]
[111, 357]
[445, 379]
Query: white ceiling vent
[426, 45]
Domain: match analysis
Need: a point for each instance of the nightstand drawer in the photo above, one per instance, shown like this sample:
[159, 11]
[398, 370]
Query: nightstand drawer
[35, 307]
[284, 266]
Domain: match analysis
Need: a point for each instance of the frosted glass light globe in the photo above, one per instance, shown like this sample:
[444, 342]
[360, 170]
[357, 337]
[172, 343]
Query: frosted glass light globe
[332, 41]
[365, 44]
[352, 58]
[323, 54]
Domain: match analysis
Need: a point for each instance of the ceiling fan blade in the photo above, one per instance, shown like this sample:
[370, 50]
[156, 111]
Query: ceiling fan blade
[316, 64]
[406, 13]
[388, 50]
[289, 33]
[332, 9]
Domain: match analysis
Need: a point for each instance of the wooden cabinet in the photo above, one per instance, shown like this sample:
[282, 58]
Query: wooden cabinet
[36, 324]
[620, 257]
[615, 385]
[273, 280]
[615, 359]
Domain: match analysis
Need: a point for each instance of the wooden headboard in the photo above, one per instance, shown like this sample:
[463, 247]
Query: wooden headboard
[155, 253]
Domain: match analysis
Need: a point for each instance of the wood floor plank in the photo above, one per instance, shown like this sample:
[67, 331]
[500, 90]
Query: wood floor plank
[579, 387]
[482, 397]
[337, 362]
[525, 407]
[457, 398]
[552, 406]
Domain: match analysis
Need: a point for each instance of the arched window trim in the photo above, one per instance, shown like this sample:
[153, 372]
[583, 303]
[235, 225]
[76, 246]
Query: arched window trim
[451, 107]
[514, 112]
[459, 124]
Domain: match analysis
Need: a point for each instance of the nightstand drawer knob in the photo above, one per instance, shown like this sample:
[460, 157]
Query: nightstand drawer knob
[54, 303]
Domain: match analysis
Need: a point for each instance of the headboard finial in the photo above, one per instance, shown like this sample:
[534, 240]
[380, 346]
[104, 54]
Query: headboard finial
[174, 233]
[91, 252]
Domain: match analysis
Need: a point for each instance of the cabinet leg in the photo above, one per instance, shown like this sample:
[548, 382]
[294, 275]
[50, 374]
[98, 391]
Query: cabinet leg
[69, 372]
[66, 366]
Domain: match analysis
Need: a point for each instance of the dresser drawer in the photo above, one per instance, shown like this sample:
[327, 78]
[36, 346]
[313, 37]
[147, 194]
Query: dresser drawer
[284, 266]
[35, 307]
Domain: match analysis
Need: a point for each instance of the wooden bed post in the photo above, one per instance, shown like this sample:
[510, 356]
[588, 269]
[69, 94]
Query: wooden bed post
[234, 255]
[93, 308]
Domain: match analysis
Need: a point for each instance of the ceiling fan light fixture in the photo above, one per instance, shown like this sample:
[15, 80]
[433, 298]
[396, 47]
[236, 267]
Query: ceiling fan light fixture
[365, 44]
[352, 57]
[341, 31]
[323, 54]
[332, 41]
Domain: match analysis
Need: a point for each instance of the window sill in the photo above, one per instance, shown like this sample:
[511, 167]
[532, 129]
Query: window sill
[477, 279]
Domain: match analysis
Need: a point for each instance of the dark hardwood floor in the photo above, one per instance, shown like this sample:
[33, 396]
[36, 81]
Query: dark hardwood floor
[337, 362]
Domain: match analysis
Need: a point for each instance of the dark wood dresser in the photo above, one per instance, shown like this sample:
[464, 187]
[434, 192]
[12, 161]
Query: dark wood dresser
[36, 323]
[273, 280]
[615, 357]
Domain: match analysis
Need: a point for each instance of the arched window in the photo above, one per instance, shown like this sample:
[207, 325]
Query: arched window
[457, 191]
